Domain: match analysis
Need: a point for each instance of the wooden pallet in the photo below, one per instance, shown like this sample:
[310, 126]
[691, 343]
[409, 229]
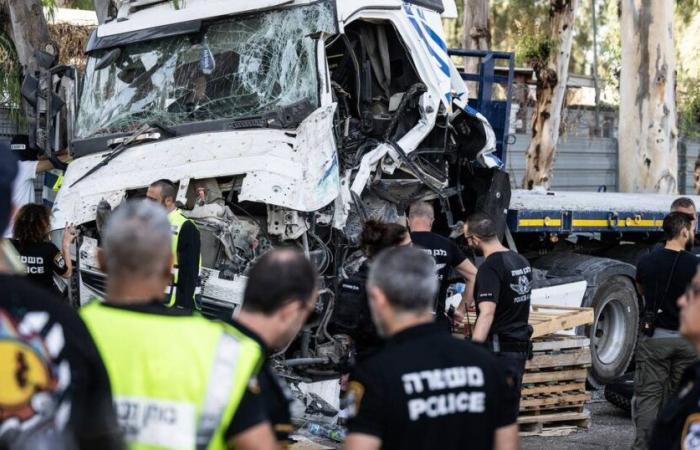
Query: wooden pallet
[556, 424]
[555, 400]
[546, 319]
[555, 378]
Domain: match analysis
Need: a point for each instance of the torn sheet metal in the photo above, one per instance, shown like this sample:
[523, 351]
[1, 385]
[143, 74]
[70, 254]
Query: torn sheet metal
[317, 181]
[296, 170]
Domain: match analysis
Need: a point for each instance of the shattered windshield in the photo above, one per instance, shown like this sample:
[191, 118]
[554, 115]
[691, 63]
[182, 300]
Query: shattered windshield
[238, 67]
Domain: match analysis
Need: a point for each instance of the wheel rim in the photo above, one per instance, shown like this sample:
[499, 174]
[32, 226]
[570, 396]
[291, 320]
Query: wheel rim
[609, 331]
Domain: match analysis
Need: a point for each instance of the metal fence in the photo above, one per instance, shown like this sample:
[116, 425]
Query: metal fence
[590, 164]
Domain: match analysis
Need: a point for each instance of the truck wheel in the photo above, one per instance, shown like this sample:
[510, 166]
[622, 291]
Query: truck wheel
[620, 392]
[614, 331]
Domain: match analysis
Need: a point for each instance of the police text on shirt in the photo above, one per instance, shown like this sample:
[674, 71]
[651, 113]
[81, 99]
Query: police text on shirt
[457, 401]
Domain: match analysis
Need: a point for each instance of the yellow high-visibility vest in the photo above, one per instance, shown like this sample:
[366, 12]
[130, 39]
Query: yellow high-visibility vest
[166, 399]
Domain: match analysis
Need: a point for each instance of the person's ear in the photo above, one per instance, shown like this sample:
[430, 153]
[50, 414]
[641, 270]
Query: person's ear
[289, 311]
[102, 260]
[377, 297]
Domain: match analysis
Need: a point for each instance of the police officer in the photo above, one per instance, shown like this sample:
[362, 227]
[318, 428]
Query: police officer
[446, 253]
[502, 296]
[184, 286]
[678, 425]
[177, 378]
[351, 314]
[424, 389]
[279, 295]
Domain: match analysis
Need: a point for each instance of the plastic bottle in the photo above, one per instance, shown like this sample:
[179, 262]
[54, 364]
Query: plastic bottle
[335, 433]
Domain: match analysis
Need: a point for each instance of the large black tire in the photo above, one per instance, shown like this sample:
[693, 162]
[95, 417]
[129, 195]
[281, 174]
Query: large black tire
[620, 392]
[614, 331]
[618, 399]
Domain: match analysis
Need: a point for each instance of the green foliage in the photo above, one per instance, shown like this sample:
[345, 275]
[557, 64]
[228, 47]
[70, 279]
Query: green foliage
[535, 49]
[686, 9]
[689, 112]
[51, 7]
[83, 4]
[510, 20]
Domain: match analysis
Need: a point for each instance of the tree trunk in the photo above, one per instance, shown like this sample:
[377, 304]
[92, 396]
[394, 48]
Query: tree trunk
[28, 30]
[552, 75]
[477, 35]
[648, 154]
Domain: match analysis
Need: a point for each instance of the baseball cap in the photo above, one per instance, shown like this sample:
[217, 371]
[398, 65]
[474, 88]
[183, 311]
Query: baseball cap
[8, 172]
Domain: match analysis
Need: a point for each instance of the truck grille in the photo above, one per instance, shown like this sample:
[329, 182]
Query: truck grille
[94, 281]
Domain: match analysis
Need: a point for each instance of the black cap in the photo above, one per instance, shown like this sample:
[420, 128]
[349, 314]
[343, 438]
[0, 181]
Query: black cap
[8, 172]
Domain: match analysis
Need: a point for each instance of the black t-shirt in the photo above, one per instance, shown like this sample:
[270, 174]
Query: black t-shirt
[446, 254]
[351, 314]
[654, 274]
[678, 424]
[427, 390]
[188, 253]
[506, 278]
[56, 373]
[268, 401]
[42, 260]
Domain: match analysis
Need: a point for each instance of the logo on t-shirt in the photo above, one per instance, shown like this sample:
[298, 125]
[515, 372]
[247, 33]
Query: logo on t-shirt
[60, 262]
[690, 439]
[33, 382]
[522, 287]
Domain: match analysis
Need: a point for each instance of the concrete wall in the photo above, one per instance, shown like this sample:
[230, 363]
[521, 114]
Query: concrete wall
[587, 164]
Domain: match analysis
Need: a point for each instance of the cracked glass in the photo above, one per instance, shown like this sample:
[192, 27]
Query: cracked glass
[239, 67]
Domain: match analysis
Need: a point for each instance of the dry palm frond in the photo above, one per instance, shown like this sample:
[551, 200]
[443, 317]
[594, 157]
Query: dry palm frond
[9, 76]
[71, 41]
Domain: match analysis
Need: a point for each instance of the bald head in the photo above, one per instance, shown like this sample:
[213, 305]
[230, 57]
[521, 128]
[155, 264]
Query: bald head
[137, 241]
[277, 278]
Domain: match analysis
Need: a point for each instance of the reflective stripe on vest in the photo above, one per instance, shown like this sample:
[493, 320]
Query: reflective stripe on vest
[177, 220]
[221, 382]
[182, 399]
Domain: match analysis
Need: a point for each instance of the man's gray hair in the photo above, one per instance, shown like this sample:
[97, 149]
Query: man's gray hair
[421, 209]
[137, 239]
[407, 276]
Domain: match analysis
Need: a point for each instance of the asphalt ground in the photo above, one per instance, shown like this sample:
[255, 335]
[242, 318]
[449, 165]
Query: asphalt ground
[611, 428]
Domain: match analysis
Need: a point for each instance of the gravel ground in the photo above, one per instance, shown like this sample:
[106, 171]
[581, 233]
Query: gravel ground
[611, 428]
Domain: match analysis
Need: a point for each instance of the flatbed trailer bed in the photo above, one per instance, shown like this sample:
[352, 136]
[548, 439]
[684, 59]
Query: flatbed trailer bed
[588, 212]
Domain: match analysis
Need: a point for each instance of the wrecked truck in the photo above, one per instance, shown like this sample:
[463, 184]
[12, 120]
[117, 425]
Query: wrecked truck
[283, 122]
[291, 123]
